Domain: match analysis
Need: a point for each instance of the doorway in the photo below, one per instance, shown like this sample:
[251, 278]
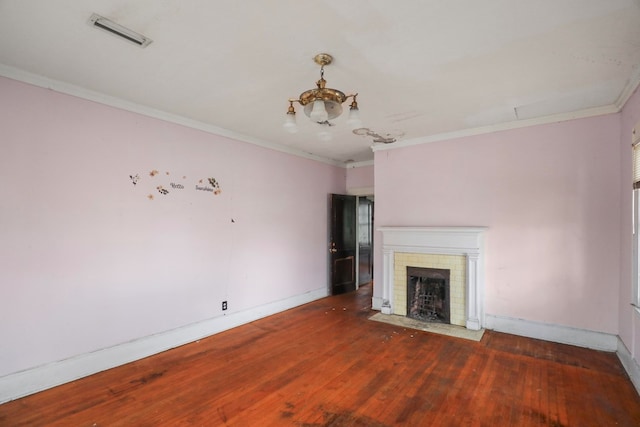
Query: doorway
[350, 242]
[365, 240]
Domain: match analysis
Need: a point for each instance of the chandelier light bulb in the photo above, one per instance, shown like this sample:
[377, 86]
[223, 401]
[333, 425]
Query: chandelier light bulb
[319, 113]
[290, 123]
[354, 121]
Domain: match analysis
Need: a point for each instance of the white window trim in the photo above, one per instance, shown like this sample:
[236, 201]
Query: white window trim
[635, 288]
[636, 251]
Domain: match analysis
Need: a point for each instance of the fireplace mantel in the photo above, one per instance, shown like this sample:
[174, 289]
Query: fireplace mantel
[467, 241]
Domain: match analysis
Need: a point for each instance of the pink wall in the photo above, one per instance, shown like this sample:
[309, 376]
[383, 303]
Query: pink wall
[360, 177]
[629, 319]
[88, 261]
[550, 196]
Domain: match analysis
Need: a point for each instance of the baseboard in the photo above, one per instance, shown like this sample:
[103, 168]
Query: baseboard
[23, 383]
[555, 333]
[629, 363]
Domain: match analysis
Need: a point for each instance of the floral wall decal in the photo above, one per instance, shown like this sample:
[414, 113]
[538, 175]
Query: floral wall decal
[212, 187]
[216, 186]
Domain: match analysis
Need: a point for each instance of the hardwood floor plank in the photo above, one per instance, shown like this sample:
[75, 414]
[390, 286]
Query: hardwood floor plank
[325, 364]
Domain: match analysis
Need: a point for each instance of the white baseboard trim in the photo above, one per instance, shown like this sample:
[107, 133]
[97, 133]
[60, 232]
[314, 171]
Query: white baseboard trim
[629, 363]
[555, 333]
[376, 303]
[23, 383]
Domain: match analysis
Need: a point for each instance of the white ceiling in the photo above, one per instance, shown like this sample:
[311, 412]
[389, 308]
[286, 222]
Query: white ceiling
[424, 69]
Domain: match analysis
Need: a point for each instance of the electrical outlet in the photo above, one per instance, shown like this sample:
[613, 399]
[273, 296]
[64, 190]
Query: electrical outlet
[224, 305]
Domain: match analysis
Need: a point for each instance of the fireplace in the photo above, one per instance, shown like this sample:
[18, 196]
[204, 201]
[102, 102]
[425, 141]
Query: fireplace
[428, 294]
[459, 249]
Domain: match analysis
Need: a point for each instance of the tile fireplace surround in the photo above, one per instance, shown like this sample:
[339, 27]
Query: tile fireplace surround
[466, 241]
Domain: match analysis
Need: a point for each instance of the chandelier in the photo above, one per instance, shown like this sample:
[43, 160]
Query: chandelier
[322, 103]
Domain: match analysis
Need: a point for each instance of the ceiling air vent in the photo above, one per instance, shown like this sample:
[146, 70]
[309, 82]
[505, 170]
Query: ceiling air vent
[120, 31]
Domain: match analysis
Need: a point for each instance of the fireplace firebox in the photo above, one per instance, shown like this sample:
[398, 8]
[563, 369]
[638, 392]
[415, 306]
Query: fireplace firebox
[428, 294]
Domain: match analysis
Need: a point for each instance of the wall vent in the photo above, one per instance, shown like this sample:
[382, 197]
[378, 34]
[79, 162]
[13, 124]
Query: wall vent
[118, 30]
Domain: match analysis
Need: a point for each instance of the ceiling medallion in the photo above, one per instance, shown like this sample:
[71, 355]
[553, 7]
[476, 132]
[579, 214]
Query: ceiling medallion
[322, 103]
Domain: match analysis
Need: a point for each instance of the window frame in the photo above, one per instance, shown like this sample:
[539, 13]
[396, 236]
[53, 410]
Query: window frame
[635, 155]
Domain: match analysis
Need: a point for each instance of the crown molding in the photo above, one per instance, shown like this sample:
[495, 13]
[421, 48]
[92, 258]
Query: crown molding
[517, 124]
[629, 89]
[79, 92]
[353, 165]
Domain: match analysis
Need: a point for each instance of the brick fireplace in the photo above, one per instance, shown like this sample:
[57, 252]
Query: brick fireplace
[458, 250]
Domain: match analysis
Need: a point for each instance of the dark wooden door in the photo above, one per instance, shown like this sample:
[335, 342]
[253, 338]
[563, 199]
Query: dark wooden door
[365, 240]
[342, 243]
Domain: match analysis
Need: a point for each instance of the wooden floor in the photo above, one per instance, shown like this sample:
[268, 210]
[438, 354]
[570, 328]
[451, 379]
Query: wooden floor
[325, 364]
